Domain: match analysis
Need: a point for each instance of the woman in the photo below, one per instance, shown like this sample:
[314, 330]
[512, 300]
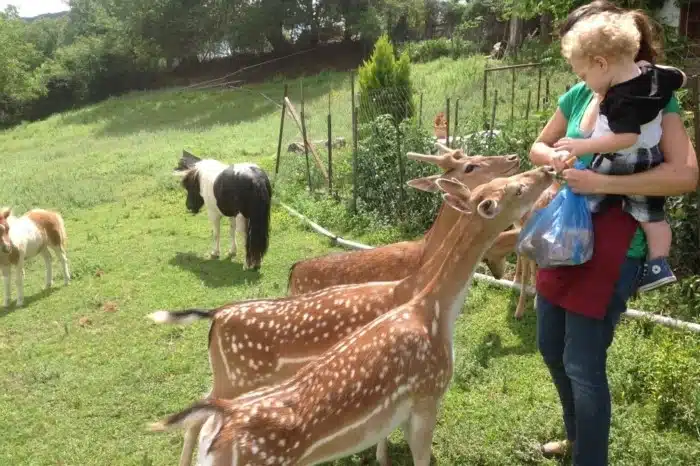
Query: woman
[579, 307]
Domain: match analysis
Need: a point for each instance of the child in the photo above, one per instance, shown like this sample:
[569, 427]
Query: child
[601, 50]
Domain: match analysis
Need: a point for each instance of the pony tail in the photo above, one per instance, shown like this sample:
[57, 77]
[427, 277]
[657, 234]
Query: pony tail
[258, 230]
[650, 46]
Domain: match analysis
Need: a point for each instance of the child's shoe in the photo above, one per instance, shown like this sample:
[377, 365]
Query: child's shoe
[656, 273]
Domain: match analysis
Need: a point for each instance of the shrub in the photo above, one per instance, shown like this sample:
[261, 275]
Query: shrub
[383, 170]
[432, 49]
[385, 84]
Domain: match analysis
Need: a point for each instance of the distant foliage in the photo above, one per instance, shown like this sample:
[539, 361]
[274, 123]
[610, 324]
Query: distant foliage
[385, 84]
[432, 49]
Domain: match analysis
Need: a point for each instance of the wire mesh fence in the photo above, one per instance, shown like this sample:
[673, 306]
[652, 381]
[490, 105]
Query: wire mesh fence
[370, 133]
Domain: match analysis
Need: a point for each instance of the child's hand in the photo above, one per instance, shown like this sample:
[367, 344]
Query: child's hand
[559, 159]
[575, 147]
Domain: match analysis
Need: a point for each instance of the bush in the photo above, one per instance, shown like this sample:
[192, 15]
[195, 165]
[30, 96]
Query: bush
[432, 49]
[383, 170]
[385, 84]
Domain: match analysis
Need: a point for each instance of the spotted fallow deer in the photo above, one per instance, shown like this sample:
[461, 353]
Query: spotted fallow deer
[391, 373]
[396, 261]
[260, 342]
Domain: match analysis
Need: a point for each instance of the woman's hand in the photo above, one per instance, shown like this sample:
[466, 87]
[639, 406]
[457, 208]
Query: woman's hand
[584, 181]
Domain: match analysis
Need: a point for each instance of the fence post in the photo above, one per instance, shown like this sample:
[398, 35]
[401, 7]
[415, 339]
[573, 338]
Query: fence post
[527, 107]
[546, 91]
[279, 141]
[696, 126]
[354, 142]
[330, 142]
[447, 124]
[456, 118]
[483, 103]
[303, 135]
[539, 86]
[420, 111]
[512, 96]
[493, 119]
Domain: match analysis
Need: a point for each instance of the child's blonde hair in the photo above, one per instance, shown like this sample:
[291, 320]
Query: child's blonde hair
[608, 34]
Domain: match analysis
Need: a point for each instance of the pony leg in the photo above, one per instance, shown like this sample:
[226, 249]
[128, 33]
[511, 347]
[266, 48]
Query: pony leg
[19, 277]
[215, 220]
[232, 230]
[63, 258]
[242, 226]
[47, 262]
[6, 282]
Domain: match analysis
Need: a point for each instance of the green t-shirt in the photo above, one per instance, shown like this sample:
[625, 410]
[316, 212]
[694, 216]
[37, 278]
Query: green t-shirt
[573, 105]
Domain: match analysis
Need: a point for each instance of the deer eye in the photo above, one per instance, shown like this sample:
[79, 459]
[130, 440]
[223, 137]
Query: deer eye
[469, 168]
[519, 190]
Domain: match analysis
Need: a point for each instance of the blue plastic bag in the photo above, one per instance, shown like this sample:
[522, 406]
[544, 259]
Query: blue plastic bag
[561, 233]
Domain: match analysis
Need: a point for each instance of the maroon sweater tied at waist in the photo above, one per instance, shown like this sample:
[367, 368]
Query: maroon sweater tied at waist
[588, 288]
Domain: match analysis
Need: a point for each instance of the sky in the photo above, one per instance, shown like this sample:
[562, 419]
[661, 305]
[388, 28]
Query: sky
[30, 8]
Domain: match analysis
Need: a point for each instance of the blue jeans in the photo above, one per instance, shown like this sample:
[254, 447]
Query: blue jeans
[574, 348]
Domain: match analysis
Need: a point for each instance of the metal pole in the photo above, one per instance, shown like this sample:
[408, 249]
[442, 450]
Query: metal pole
[303, 135]
[330, 144]
[279, 141]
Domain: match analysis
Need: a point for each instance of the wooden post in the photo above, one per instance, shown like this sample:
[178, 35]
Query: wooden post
[402, 194]
[312, 148]
[484, 97]
[527, 106]
[447, 124]
[539, 85]
[546, 91]
[279, 141]
[420, 110]
[696, 125]
[303, 135]
[330, 144]
[354, 141]
[493, 118]
[456, 117]
[512, 96]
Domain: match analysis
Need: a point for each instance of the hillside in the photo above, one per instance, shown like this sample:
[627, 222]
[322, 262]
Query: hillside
[83, 370]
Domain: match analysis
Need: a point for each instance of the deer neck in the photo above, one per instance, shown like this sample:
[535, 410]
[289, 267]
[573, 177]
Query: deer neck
[445, 292]
[444, 223]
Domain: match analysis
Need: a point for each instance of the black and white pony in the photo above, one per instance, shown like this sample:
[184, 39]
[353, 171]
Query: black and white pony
[241, 192]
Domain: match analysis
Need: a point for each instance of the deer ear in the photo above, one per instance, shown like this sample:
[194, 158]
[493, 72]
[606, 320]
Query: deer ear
[457, 203]
[6, 212]
[454, 187]
[427, 183]
[488, 208]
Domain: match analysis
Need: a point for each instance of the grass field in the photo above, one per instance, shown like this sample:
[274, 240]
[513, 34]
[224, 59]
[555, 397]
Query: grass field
[82, 370]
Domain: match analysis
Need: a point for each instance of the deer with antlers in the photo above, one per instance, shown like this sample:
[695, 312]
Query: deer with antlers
[390, 373]
[396, 261]
[260, 342]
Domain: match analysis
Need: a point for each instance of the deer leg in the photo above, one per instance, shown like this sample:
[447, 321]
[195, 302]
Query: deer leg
[191, 436]
[518, 270]
[47, 262]
[383, 453]
[420, 430]
[6, 282]
[525, 281]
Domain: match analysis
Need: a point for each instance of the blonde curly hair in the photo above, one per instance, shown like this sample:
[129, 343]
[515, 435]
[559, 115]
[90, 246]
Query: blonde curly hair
[608, 34]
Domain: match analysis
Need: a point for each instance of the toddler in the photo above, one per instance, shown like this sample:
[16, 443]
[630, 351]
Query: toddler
[601, 50]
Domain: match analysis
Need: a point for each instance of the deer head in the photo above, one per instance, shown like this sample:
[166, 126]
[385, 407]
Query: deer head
[471, 170]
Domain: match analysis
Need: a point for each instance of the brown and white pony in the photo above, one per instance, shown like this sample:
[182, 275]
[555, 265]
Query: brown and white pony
[22, 238]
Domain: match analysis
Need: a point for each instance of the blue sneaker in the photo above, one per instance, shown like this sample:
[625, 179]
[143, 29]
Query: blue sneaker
[656, 273]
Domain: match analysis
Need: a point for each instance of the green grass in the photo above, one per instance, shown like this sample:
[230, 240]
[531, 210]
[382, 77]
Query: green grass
[82, 370]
